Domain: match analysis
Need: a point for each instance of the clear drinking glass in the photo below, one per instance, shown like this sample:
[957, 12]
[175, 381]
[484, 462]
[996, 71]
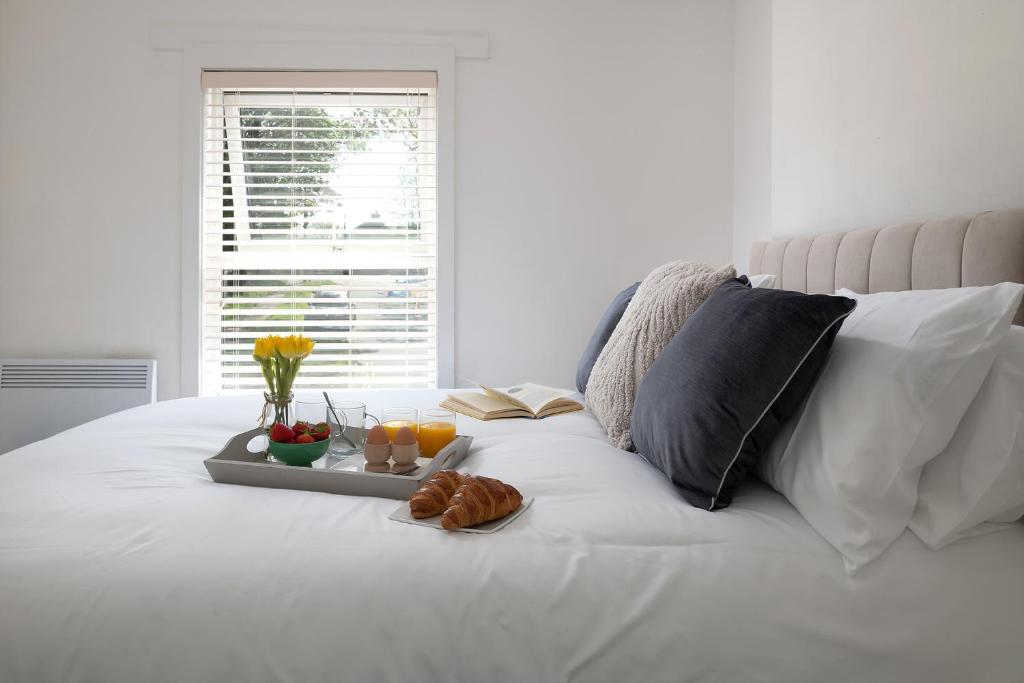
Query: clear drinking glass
[311, 410]
[394, 419]
[437, 430]
[350, 437]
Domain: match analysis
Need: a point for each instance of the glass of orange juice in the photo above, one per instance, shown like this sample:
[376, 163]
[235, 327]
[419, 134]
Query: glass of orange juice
[394, 419]
[437, 430]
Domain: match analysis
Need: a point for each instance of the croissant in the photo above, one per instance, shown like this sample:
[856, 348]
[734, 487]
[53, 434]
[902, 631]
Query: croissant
[431, 498]
[479, 500]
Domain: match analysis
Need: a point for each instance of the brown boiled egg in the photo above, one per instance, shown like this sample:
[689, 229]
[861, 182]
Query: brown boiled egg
[404, 437]
[377, 449]
[404, 448]
[377, 436]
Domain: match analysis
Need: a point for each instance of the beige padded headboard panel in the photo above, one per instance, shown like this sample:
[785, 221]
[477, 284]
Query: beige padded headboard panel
[951, 252]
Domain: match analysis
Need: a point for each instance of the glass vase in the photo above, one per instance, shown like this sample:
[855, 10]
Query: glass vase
[277, 408]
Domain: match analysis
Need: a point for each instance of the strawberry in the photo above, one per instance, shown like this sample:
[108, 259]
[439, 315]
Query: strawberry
[301, 427]
[322, 432]
[280, 433]
[304, 438]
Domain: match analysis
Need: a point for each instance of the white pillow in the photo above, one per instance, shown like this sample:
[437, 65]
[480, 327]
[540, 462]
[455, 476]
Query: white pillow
[978, 481]
[766, 281]
[903, 370]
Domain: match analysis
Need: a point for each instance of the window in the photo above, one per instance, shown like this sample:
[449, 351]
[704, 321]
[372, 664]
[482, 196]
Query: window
[320, 218]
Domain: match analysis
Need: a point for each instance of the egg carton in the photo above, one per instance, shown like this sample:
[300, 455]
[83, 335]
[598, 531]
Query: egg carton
[244, 461]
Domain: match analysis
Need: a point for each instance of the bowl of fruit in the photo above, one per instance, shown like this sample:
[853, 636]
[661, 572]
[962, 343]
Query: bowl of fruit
[302, 444]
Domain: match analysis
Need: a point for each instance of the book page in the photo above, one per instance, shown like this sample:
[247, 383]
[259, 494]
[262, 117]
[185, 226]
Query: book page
[532, 397]
[485, 403]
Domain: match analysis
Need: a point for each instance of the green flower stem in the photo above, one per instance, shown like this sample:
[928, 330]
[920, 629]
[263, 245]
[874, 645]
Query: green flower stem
[268, 374]
[279, 373]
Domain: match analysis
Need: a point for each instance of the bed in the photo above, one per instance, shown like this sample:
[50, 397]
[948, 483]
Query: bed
[121, 561]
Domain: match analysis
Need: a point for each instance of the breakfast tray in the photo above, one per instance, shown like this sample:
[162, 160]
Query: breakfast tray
[244, 460]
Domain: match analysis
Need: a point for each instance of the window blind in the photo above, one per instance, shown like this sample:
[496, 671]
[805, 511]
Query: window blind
[320, 218]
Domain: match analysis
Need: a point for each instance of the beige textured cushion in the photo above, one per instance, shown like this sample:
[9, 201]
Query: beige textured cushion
[663, 302]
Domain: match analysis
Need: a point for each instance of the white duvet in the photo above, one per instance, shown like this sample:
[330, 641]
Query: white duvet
[121, 561]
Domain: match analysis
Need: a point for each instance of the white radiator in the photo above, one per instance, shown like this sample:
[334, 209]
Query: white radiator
[39, 398]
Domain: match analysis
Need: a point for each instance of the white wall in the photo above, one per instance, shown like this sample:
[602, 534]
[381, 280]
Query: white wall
[888, 111]
[594, 144]
[752, 141]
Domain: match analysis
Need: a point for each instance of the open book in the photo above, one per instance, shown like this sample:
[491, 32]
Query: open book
[523, 400]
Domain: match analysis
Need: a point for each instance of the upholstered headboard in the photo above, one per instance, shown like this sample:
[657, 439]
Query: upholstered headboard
[983, 249]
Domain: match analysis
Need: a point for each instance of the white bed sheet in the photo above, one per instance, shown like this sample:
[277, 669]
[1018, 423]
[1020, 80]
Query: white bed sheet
[121, 561]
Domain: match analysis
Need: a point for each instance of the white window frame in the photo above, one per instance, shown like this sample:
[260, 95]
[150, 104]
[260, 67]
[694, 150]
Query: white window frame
[383, 56]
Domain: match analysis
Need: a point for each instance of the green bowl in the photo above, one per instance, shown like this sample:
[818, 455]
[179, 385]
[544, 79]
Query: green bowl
[299, 454]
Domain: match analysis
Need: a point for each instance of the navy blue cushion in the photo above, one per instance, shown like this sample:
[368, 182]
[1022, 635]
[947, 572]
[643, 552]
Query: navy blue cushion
[713, 401]
[601, 335]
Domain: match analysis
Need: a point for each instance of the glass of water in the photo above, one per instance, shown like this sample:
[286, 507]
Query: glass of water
[350, 437]
[311, 410]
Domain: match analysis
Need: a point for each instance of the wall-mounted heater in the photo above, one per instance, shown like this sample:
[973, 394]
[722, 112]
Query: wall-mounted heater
[39, 398]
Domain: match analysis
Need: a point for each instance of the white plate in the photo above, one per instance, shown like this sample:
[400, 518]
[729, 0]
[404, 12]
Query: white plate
[402, 514]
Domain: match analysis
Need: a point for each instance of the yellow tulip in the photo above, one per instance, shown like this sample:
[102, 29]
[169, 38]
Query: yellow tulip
[305, 345]
[287, 347]
[263, 349]
[280, 359]
[269, 345]
[295, 347]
